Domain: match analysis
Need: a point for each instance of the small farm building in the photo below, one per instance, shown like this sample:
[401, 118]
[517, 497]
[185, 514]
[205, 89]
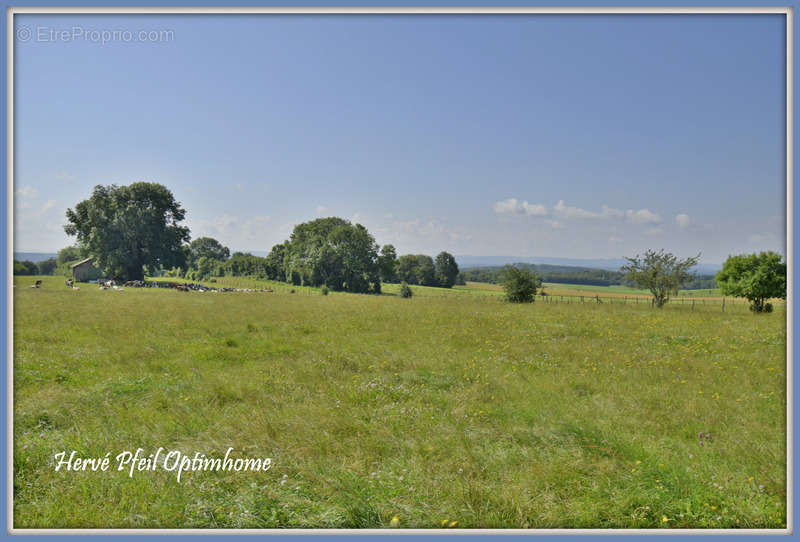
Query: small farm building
[85, 270]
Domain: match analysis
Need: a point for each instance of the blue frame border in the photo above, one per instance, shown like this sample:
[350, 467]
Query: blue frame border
[5, 271]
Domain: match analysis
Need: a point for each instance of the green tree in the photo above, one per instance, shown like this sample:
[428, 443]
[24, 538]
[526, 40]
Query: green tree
[25, 267]
[425, 271]
[519, 284]
[407, 268]
[69, 254]
[660, 272]
[334, 252]
[756, 277]
[446, 269]
[128, 227]
[274, 263]
[48, 266]
[207, 247]
[387, 263]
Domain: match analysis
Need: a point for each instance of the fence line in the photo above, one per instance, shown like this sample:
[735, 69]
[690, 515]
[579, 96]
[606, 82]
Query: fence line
[689, 303]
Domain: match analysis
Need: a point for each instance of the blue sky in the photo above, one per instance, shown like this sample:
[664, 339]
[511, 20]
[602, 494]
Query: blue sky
[564, 136]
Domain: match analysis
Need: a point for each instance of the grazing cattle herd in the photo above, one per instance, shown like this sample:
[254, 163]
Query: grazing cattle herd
[105, 284]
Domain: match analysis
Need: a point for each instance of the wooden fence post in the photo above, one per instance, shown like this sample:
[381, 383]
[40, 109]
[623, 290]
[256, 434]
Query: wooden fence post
[723, 304]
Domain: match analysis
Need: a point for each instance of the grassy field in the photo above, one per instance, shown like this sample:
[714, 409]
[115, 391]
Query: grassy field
[448, 409]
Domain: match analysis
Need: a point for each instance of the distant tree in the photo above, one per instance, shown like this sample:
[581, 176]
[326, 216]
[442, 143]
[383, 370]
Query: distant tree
[407, 268]
[47, 267]
[387, 263]
[446, 269]
[405, 290]
[69, 254]
[207, 247]
[519, 284]
[274, 263]
[204, 267]
[128, 227]
[756, 277]
[660, 272]
[426, 271]
[25, 267]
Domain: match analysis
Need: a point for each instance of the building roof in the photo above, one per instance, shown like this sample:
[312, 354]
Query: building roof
[87, 260]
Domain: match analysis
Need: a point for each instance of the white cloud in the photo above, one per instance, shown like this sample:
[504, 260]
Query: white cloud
[423, 236]
[654, 231]
[233, 231]
[642, 216]
[321, 209]
[615, 239]
[610, 212]
[565, 211]
[514, 207]
[26, 192]
[682, 220]
[762, 238]
[49, 204]
[555, 224]
[65, 176]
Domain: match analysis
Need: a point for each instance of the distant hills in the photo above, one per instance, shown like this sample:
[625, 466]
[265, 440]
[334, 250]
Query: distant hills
[34, 257]
[610, 264]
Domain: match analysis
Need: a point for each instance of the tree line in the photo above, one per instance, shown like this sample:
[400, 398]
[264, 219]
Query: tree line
[51, 266]
[330, 252]
[135, 230]
[560, 274]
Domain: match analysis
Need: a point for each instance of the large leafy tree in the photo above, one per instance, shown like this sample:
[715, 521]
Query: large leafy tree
[275, 258]
[128, 227]
[426, 270]
[207, 247]
[407, 268]
[417, 269]
[756, 277]
[334, 252]
[387, 262]
[446, 269]
[660, 272]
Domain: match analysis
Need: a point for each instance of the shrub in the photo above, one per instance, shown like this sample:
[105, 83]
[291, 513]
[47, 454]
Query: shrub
[519, 284]
[405, 290]
[324, 290]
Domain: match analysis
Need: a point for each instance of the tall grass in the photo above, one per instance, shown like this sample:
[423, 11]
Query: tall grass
[446, 407]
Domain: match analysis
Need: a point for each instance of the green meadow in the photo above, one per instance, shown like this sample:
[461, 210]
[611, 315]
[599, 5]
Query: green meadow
[450, 409]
